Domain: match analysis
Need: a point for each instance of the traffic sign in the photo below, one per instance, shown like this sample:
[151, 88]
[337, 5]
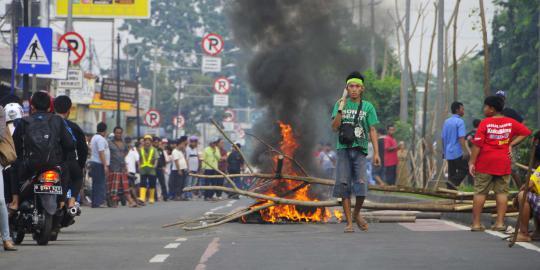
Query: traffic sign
[179, 121]
[222, 85]
[152, 118]
[60, 65]
[221, 100]
[211, 64]
[74, 79]
[229, 115]
[35, 50]
[212, 44]
[73, 42]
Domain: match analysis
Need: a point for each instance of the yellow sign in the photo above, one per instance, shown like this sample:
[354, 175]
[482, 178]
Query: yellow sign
[139, 9]
[108, 105]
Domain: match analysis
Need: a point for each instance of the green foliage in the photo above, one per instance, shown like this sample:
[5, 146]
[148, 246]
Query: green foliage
[470, 86]
[514, 54]
[384, 95]
[403, 132]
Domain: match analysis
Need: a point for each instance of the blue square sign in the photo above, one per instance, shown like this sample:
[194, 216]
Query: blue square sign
[34, 50]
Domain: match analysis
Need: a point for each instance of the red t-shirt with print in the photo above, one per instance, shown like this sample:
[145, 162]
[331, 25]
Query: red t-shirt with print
[493, 136]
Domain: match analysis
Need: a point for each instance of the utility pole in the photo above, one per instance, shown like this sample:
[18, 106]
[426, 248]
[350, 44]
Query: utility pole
[13, 47]
[90, 56]
[154, 82]
[440, 61]
[128, 75]
[118, 81]
[137, 96]
[44, 13]
[112, 48]
[404, 103]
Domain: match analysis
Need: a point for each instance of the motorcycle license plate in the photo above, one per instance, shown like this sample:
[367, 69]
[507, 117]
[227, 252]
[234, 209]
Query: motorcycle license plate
[42, 189]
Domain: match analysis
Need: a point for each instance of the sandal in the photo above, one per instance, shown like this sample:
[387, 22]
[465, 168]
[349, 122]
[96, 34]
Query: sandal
[349, 229]
[478, 229]
[521, 238]
[498, 228]
[362, 224]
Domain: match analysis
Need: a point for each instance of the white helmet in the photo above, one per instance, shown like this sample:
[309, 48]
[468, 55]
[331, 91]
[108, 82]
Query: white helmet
[13, 111]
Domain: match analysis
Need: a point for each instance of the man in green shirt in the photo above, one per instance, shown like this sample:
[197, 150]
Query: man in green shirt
[351, 169]
[211, 158]
[147, 169]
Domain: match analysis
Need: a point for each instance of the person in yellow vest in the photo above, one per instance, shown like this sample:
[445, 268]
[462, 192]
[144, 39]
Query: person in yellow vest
[531, 209]
[147, 169]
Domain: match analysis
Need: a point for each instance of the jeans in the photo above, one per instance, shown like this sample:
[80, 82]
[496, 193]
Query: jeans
[176, 184]
[99, 187]
[351, 174]
[457, 171]
[190, 182]
[208, 194]
[4, 221]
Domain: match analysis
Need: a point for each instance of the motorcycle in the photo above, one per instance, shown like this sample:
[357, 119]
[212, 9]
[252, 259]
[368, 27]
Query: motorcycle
[38, 207]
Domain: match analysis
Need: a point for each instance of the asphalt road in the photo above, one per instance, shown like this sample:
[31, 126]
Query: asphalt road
[127, 238]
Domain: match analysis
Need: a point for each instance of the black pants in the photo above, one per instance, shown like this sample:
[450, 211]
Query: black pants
[208, 194]
[162, 184]
[390, 174]
[177, 183]
[74, 177]
[457, 171]
[11, 183]
[148, 181]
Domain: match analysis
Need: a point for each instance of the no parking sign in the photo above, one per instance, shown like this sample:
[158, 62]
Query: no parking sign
[152, 118]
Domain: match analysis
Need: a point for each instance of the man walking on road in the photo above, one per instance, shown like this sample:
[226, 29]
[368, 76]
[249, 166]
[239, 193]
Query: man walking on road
[99, 165]
[353, 114]
[179, 170]
[160, 170]
[456, 151]
[118, 169]
[194, 163]
[390, 156]
[491, 159]
[147, 168]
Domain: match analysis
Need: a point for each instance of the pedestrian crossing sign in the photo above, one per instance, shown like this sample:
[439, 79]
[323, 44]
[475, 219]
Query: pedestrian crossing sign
[34, 50]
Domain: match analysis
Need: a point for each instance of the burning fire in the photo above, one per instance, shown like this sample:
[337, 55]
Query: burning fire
[292, 190]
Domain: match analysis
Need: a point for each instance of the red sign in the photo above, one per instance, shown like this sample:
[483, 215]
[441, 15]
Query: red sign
[73, 42]
[212, 44]
[229, 116]
[152, 118]
[222, 85]
[179, 121]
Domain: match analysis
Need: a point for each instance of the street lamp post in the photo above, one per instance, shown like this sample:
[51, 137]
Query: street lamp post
[118, 81]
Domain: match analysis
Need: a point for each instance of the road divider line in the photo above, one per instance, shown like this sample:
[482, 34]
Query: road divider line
[524, 245]
[172, 245]
[181, 239]
[159, 258]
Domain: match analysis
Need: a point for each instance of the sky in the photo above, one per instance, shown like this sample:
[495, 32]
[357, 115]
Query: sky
[469, 29]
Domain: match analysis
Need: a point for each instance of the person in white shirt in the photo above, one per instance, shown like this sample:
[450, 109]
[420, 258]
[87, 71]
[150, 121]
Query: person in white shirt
[179, 170]
[194, 162]
[99, 165]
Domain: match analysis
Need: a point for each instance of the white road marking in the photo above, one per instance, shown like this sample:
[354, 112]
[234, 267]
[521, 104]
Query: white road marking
[181, 239]
[172, 245]
[159, 258]
[208, 213]
[525, 245]
[456, 225]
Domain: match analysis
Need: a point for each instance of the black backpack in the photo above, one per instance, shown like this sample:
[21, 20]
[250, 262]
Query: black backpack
[41, 143]
[346, 130]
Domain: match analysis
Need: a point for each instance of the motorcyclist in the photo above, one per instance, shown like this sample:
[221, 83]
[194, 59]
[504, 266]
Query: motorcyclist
[41, 141]
[76, 160]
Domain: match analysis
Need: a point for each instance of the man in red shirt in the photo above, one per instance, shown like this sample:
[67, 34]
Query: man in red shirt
[390, 156]
[490, 162]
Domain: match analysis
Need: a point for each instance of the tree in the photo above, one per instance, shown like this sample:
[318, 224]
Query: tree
[514, 55]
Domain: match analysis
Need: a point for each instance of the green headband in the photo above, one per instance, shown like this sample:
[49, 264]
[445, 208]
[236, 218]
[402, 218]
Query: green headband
[355, 80]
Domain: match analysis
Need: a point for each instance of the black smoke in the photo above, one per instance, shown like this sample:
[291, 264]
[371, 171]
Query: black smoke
[297, 67]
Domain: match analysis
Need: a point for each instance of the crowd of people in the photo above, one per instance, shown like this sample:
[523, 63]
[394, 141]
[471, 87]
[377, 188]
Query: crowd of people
[103, 169]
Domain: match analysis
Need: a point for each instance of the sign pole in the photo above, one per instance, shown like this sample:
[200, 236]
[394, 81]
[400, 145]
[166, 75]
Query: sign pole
[26, 22]
[118, 81]
[69, 20]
